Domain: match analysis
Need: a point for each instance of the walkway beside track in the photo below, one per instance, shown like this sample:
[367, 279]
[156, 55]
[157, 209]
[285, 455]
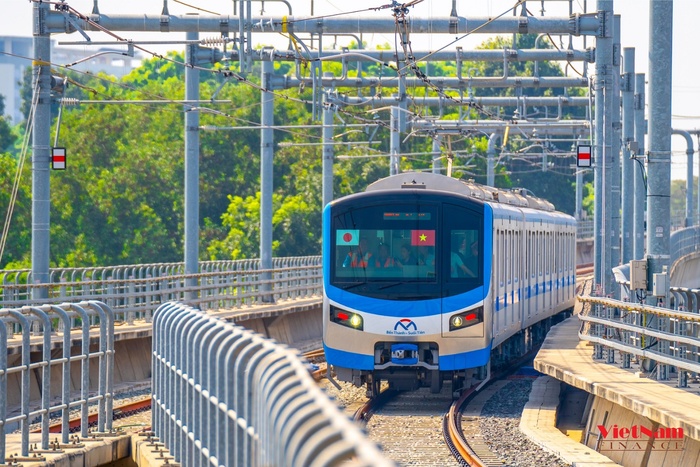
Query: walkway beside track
[539, 420]
[624, 398]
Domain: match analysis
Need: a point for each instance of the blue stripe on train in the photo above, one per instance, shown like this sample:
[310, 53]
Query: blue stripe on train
[472, 359]
[460, 361]
[346, 359]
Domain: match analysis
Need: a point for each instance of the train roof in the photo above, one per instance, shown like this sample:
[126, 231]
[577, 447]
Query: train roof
[437, 182]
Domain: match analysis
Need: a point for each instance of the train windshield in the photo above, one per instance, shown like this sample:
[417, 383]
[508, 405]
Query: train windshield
[406, 251]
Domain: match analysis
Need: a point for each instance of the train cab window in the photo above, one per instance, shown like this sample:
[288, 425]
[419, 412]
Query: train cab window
[396, 250]
[387, 251]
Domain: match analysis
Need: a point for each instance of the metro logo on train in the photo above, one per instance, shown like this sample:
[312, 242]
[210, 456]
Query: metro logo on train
[405, 327]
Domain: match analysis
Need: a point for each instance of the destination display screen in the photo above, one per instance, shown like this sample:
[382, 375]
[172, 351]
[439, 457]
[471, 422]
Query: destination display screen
[406, 216]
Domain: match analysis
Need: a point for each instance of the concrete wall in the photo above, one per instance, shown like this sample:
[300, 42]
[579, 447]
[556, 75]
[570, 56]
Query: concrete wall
[584, 252]
[303, 330]
[132, 364]
[686, 272]
[641, 452]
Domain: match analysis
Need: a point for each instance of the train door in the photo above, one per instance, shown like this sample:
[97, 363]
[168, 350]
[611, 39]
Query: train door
[571, 265]
[510, 265]
[514, 260]
[548, 257]
[518, 276]
[541, 284]
[527, 274]
[556, 272]
[498, 278]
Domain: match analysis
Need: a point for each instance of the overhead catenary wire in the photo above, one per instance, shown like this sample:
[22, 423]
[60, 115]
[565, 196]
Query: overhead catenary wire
[400, 11]
[230, 73]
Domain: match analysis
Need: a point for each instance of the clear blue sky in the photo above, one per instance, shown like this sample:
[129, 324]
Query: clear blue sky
[17, 21]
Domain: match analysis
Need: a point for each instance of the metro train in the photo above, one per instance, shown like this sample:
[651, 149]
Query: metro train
[429, 278]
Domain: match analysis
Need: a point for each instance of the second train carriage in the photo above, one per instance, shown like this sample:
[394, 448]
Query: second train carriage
[425, 276]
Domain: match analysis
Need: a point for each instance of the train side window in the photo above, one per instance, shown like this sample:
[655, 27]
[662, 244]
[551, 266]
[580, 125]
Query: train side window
[518, 253]
[557, 256]
[511, 257]
[526, 270]
[548, 252]
[533, 254]
[540, 265]
[501, 253]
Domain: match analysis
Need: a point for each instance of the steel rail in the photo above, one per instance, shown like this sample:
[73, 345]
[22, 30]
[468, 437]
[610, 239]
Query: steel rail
[120, 411]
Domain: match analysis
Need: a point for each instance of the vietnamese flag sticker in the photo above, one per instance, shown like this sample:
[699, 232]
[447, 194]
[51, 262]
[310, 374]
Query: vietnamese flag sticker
[422, 237]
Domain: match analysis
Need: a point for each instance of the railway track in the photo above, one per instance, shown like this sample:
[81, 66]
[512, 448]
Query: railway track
[409, 426]
[418, 428]
[134, 407]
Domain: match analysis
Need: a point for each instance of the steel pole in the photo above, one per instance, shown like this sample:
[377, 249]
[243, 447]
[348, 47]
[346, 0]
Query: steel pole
[395, 142]
[659, 154]
[437, 154]
[266, 164]
[490, 159]
[603, 133]
[615, 169]
[327, 165]
[640, 189]
[689, 151]
[627, 87]
[41, 152]
[191, 168]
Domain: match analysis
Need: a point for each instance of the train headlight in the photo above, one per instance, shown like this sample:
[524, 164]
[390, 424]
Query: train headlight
[346, 318]
[355, 320]
[466, 319]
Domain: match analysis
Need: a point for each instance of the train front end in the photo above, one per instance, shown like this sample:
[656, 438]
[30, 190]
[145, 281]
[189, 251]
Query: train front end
[406, 281]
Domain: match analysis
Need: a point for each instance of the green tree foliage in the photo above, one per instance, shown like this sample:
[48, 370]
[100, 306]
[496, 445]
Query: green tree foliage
[678, 201]
[295, 225]
[588, 202]
[119, 200]
[17, 251]
[6, 137]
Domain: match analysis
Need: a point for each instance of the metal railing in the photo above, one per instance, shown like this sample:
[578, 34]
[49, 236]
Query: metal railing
[44, 321]
[136, 291]
[659, 337]
[223, 395]
[584, 230]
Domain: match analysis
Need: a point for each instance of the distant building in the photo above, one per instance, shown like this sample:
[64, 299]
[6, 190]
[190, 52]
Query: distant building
[12, 66]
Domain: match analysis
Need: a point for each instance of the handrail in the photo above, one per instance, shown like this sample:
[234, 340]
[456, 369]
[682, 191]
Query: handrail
[134, 292]
[45, 321]
[654, 334]
[250, 402]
